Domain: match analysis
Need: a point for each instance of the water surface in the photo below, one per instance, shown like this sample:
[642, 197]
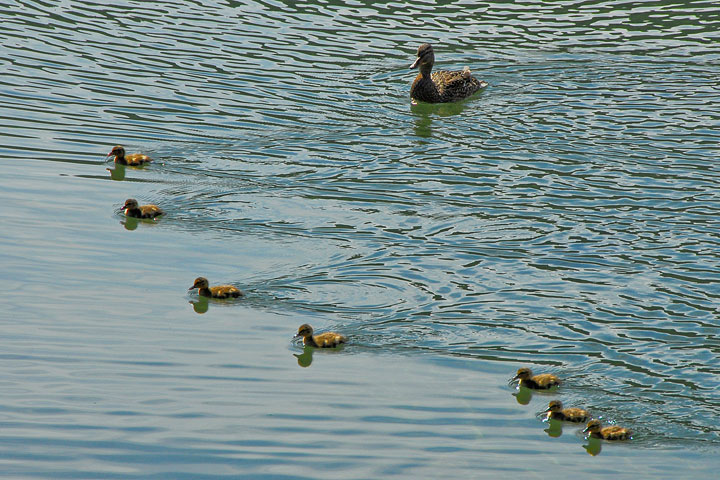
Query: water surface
[564, 219]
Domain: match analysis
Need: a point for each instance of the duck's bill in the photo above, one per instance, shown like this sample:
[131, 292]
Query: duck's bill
[415, 64]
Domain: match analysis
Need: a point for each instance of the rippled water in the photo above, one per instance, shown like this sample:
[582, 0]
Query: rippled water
[564, 219]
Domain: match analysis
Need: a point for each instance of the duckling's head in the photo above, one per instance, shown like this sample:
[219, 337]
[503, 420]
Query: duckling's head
[200, 282]
[555, 406]
[117, 150]
[523, 373]
[130, 203]
[305, 330]
[425, 56]
[593, 426]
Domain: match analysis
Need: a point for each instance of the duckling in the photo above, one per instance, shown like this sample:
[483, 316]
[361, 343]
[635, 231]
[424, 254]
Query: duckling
[324, 340]
[220, 291]
[613, 432]
[134, 159]
[557, 412]
[543, 381]
[132, 209]
[441, 86]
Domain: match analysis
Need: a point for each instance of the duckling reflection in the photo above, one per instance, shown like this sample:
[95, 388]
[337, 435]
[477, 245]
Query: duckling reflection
[117, 173]
[556, 411]
[219, 291]
[323, 340]
[441, 86]
[523, 395]
[306, 357]
[130, 223]
[593, 446]
[544, 381]
[132, 209]
[134, 159]
[201, 306]
[554, 428]
[595, 429]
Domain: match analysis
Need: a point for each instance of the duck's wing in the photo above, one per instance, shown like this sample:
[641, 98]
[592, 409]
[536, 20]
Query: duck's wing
[151, 211]
[454, 79]
[455, 85]
[137, 159]
[329, 339]
[546, 380]
[225, 291]
[576, 414]
[615, 432]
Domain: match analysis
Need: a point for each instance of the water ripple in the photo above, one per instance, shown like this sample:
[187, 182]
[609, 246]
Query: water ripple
[566, 217]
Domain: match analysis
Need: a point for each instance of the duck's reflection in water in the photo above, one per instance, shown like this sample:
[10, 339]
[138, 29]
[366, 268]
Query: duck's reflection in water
[423, 124]
[423, 113]
[130, 223]
[117, 173]
[593, 446]
[554, 428]
[201, 305]
[523, 395]
[305, 359]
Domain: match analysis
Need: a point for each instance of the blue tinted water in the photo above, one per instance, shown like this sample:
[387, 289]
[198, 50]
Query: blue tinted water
[564, 219]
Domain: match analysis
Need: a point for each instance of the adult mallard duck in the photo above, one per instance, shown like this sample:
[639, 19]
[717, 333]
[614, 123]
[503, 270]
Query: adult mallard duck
[132, 209]
[595, 429]
[441, 86]
[557, 412]
[543, 381]
[324, 340]
[134, 159]
[219, 291]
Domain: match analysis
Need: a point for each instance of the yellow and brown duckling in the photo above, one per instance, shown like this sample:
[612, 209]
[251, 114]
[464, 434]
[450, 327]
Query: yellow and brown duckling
[134, 159]
[132, 209]
[614, 432]
[324, 340]
[543, 381]
[219, 291]
[441, 86]
[556, 411]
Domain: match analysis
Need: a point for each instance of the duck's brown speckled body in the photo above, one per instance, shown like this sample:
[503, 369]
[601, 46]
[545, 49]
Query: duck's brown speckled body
[441, 86]
[132, 209]
[536, 382]
[557, 412]
[324, 340]
[219, 291]
[134, 159]
[595, 429]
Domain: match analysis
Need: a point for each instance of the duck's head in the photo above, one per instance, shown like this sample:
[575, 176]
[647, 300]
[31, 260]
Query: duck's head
[555, 406]
[425, 56]
[118, 151]
[523, 373]
[200, 282]
[130, 203]
[305, 330]
[593, 426]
